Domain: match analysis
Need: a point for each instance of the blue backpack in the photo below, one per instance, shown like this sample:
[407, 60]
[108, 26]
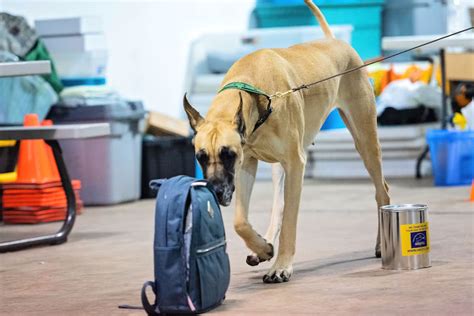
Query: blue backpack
[192, 270]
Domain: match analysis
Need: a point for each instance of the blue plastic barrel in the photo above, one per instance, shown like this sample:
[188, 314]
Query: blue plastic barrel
[452, 156]
[198, 173]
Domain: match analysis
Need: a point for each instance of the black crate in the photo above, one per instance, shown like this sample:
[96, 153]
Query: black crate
[8, 158]
[165, 157]
[8, 161]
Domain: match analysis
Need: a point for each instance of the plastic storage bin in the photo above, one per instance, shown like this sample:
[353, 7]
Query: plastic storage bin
[110, 166]
[452, 156]
[364, 15]
[333, 121]
[165, 157]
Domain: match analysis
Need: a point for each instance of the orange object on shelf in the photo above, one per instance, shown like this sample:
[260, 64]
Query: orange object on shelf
[34, 165]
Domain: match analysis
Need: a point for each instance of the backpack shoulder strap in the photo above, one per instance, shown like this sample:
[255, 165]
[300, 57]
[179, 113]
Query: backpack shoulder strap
[150, 309]
[170, 208]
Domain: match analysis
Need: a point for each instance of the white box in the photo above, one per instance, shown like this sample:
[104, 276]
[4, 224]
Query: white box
[68, 26]
[85, 64]
[75, 43]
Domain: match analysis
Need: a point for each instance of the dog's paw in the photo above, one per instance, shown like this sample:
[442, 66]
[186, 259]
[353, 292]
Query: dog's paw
[279, 273]
[278, 276]
[254, 259]
[378, 252]
[266, 254]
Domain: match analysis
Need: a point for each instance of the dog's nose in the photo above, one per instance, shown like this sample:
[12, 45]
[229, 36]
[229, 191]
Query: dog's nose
[219, 191]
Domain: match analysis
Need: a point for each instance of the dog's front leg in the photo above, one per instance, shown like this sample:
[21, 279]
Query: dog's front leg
[283, 267]
[278, 178]
[245, 180]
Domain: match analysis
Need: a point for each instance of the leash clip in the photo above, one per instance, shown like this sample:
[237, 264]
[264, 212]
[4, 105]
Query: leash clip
[280, 94]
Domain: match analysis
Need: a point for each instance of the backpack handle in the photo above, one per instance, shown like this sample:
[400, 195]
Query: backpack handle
[204, 183]
[150, 309]
[156, 184]
[200, 183]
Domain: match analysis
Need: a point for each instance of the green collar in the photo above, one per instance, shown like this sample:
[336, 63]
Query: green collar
[253, 90]
[245, 87]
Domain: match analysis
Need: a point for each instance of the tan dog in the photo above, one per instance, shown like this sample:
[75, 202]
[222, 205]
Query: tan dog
[226, 146]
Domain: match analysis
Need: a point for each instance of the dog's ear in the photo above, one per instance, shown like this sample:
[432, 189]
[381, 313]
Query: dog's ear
[239, 120]
[195, 119]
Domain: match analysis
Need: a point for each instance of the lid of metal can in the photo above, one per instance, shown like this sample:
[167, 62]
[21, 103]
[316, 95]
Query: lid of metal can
[404, 207]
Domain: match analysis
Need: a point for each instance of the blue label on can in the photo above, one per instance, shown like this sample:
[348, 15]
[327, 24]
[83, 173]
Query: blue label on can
[418, 239]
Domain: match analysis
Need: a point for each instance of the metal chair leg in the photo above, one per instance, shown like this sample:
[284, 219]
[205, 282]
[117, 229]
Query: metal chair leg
[61, 236]
[420, 159]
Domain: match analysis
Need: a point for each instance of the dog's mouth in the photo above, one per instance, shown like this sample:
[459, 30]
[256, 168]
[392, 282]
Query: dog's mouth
[224, 194]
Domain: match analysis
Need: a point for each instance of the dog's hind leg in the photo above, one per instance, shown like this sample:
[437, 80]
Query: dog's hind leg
[278, 178]
[244, 184]
[358, 112]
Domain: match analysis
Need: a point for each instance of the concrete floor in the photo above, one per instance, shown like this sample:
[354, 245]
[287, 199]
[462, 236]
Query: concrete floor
[109, 256]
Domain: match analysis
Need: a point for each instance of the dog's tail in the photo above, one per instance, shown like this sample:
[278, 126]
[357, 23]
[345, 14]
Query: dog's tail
[320, 17]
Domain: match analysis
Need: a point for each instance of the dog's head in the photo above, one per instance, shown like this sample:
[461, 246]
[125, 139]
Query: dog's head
[218, 149]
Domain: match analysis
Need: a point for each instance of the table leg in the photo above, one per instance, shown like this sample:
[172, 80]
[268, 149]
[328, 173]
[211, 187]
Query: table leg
[444, 103]
[419, 160]
[444, 110]
[61, 235]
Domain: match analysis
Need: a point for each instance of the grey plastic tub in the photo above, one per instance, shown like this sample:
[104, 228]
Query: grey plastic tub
[109, 167]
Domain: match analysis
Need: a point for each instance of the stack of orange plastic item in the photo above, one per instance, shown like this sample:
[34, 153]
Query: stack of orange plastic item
[37, 195]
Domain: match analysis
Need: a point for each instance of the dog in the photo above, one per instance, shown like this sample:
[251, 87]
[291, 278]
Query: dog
[228, 148]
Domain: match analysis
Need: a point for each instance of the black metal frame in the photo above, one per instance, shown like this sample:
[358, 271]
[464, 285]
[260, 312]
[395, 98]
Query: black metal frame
[444, 112]
[61, 236]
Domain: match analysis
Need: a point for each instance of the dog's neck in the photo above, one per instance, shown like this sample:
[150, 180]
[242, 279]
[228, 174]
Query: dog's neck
[225, 106]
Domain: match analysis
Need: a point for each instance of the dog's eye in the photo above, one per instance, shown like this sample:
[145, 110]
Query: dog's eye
[202, 157]
[226, 152]
[227, 157]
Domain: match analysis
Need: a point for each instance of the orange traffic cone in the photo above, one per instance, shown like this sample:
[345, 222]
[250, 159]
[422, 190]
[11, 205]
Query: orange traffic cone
[51, 159]
[33, 161]
[472, 191]
[37, 195]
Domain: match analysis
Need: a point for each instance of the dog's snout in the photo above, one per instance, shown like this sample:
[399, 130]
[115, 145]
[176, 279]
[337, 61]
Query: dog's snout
[214, 183]
[223, 190]
[219, 191]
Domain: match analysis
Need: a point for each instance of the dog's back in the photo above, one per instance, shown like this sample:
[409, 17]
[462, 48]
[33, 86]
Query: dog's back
[305, 62]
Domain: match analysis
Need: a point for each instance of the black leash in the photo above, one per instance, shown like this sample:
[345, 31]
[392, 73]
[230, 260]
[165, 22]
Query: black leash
[264, 116]
[306, 86]
[126, 306]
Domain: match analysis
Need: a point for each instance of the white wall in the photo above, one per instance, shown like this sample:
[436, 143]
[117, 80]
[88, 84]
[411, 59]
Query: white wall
[147, 40]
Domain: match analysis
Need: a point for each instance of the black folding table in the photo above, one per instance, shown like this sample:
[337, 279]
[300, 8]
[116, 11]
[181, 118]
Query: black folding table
[51, 135]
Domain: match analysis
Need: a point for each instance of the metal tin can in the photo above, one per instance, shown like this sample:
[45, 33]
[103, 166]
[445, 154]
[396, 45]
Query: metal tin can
[405, 237]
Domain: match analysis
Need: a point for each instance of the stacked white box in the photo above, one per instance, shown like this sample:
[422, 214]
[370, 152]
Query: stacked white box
[77, 46]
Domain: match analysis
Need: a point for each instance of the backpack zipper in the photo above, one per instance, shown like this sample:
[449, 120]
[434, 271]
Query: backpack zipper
[222, 243]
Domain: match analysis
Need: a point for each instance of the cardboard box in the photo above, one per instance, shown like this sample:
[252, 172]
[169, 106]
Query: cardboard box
[159, 124]
[460, 66]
